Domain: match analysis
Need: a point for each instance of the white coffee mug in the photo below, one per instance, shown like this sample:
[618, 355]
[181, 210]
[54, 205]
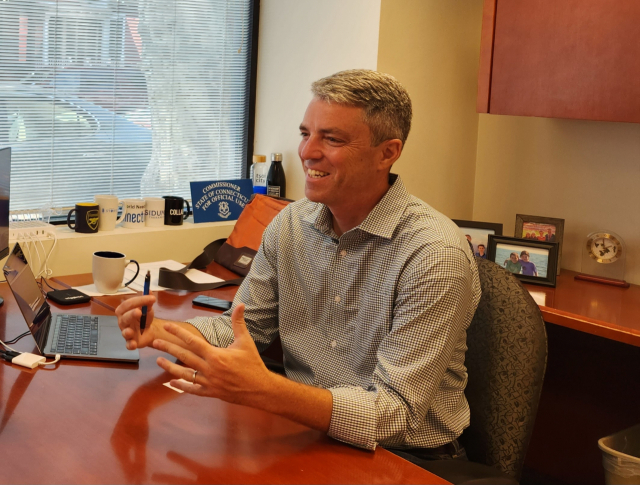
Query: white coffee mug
[154, 212]
[109, 205]
[108, 271]
[134, 216]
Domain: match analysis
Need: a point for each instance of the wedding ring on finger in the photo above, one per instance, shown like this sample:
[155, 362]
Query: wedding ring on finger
[193, 379]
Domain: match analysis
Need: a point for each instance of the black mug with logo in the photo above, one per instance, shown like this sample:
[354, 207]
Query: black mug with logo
[174, 212]
[87, 217]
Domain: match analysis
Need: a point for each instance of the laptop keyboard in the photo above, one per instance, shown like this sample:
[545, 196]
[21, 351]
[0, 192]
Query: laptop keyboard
[76, 334]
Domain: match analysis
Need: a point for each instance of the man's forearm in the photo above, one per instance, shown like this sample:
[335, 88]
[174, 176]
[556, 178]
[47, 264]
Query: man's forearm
[161, 333]
[308, 405]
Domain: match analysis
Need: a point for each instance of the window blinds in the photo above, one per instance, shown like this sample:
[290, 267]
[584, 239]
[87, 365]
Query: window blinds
[128, 97]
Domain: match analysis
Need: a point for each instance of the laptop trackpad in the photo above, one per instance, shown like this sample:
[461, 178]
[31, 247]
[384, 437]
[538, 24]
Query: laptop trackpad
[112, 344]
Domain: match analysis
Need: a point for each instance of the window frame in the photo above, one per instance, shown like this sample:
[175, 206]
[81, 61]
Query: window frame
[248, 146]
[253, 79]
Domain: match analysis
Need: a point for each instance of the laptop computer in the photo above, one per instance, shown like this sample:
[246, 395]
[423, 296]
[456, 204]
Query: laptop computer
[90, 337]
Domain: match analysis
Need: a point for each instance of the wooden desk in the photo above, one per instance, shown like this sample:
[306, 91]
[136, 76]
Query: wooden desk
[591, 384]
[604, 311]
[96, 422]
[170, 306]
[596, 309]
[594, 347]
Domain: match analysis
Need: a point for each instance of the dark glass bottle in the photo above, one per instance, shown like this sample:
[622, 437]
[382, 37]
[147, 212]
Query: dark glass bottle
[276, 182]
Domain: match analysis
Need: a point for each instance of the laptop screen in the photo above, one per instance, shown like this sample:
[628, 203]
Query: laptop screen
[5, 183]
[31, 301]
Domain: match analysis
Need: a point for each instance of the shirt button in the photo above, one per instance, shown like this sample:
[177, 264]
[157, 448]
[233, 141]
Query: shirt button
[333, 344]
[343, 253]
[337, 299]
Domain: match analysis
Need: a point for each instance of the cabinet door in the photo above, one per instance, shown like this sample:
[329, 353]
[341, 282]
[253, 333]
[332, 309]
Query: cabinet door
[561, 59]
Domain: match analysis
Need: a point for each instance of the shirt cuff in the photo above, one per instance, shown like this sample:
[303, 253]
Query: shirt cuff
[353, 417]
[206, 327]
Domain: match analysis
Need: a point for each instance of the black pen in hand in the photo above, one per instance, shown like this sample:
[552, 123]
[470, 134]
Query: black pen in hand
[143, 318]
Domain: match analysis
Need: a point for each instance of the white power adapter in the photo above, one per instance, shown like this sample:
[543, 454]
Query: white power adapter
[28, 360]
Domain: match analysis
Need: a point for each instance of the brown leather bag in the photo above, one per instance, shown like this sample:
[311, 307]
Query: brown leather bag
[235, 253]
[238, 251]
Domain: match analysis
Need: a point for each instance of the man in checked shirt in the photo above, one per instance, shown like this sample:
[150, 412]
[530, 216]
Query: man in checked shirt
[370, 290]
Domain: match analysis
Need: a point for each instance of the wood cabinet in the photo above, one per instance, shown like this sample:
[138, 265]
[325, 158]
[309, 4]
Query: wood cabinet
[575, 59]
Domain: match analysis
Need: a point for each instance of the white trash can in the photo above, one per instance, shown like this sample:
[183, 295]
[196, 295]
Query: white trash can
[621, 457]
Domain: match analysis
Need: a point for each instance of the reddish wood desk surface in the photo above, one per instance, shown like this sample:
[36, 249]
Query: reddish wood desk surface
[593, 308]
[92, 422]
[605, 311]
[578, 374]
[590, 308]
[589, 389]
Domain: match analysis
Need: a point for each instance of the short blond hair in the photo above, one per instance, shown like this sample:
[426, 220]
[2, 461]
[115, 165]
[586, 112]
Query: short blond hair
[385, 102]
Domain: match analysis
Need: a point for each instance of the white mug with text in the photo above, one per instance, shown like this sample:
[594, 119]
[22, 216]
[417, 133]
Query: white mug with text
[154, 212]
[134, 218]
[109, 205]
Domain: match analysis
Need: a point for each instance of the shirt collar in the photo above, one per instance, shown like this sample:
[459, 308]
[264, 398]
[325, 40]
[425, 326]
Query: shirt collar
[381, 221]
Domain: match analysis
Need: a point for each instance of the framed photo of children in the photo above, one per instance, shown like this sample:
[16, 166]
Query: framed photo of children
[530, 260]
[539, 228]
[477, 233]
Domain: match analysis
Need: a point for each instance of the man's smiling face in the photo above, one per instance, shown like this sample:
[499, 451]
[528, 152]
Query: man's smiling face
[336, 153]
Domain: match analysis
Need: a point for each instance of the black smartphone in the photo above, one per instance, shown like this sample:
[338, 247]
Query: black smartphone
[209, 302]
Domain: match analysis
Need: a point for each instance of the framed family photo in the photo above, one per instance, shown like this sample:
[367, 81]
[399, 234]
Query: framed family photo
[530, 260]
[477, 233]
[538, 228]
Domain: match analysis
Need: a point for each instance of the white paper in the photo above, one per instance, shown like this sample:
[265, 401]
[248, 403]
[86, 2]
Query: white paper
[92, 291]
[539, 297]
[138, 284]
[168, 384]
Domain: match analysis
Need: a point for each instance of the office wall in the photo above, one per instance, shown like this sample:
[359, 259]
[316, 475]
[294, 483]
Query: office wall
[489, 167]
[301, 41]
[585, 172]
[433, 48]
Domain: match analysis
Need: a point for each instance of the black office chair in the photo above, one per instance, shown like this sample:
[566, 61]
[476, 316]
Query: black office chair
[506, 360]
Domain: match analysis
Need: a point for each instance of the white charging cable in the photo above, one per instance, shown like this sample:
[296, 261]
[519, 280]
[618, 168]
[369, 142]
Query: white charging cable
[57, 359]
[43, 256]
[26, 359]
[44, 269]
[27, 249]
[33, 240]
[49, 271]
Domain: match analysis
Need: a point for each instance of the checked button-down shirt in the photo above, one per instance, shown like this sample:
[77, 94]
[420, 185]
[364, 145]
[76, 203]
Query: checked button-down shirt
[377, 316]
